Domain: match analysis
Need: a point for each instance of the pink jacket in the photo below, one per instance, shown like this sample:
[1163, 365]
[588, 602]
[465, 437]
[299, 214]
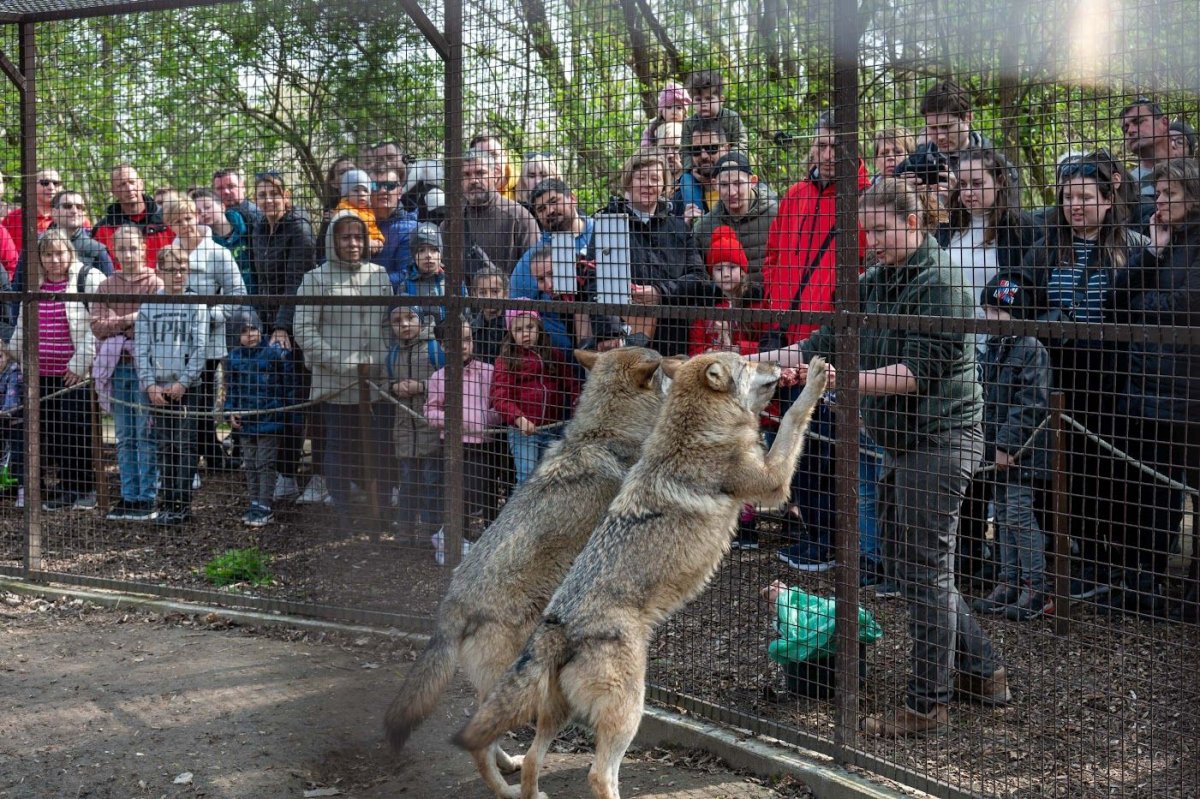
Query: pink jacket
[478, 414]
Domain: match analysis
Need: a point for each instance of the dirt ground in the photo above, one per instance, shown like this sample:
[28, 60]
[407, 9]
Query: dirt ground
[99, 703]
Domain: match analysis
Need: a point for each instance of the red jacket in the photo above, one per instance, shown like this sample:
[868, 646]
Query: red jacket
[800, 248]
[9, 253]
[15, 225]
[150, 222]
[704, 335]
[541, 390]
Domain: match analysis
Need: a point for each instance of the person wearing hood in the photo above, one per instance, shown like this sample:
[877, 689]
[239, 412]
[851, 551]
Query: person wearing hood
[337, 340]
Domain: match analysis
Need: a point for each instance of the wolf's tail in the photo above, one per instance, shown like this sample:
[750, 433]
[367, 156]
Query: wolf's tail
[425, 683]
[513, 701]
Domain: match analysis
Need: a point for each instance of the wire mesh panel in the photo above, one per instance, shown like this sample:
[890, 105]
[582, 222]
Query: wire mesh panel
[329, 332]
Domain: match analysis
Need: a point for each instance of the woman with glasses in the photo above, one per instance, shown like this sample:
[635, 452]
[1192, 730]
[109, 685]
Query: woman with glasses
[1075, 266]
[282, 250]
[1161, 401]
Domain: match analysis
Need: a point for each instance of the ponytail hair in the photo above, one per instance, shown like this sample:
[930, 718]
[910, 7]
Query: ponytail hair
[904, 198]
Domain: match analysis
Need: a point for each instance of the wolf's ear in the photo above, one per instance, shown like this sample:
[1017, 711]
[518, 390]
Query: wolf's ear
[718, 376]
[645, 371]
[587, 359]
[670, 367]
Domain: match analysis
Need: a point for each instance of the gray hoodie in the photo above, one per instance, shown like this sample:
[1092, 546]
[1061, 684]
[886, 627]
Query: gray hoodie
[170, 341]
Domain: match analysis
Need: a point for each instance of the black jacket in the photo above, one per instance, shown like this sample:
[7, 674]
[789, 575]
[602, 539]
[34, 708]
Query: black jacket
[1016, 399]
[663, 254]
[279, 259]
[1163, 290]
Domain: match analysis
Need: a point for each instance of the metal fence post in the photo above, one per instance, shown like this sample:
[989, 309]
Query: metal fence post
[367, 446]
[29, 316]
[1060, 524]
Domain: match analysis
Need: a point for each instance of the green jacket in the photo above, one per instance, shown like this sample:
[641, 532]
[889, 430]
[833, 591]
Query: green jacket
[948, 395]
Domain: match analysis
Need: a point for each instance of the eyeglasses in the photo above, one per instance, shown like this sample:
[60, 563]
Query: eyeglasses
[711, 149]
[49, 182]
[387, 185]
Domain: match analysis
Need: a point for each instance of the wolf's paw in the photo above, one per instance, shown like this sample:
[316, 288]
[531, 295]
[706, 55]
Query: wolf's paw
[818, 374]
[508, 764]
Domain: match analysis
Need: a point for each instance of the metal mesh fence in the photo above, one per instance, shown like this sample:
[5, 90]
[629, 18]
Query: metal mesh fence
[332, 275]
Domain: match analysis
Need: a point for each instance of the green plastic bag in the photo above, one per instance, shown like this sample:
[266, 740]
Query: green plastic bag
[806, 627]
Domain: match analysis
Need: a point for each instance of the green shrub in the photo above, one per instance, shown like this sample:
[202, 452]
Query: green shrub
[239, 566]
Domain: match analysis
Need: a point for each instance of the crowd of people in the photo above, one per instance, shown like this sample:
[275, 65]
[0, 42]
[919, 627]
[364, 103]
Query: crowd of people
[941, 234]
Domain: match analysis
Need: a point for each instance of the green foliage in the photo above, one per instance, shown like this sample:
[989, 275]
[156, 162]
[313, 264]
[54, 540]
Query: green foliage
[239, 566]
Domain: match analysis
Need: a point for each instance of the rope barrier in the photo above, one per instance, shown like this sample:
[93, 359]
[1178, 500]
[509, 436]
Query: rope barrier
[64, 390]
[222, 414]
[486, 430]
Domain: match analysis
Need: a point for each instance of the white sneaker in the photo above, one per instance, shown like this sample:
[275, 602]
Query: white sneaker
[196, 481]
[85, 502]
[439, 547]
[285, 487]
[315, 492]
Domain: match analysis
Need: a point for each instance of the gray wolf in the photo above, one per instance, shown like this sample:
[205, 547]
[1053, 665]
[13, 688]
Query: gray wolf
[497, 594]
[655, 549]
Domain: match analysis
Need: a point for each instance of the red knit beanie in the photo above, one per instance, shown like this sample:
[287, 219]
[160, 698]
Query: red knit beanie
[726, 249]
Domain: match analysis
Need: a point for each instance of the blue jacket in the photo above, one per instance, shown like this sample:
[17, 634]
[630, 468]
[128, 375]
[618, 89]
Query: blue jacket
[396, 255]
[259, 378]
[521, 285]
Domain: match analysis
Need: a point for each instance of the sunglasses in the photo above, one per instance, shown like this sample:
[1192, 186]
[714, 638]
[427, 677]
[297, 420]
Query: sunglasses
[711, 149]
[49, 182]
[387, 185]
[1082, 169]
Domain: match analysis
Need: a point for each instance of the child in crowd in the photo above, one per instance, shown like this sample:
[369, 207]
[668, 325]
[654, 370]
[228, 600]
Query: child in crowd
[667, 141]
[533, 388]
[1016, 392]
[479, 490]
[426, 276]
[258, 378]
[728, 265]
[356, 186]
[673, 102]
[487, 324]
[707, 90]
[12, 426]
[410, 365]
[170, 342]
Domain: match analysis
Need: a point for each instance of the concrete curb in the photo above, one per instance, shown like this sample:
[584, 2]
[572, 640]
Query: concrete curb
[762, 757]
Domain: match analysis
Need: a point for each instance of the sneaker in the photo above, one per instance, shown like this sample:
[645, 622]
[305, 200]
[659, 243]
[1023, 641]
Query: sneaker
[250, 515]
[120, 511]
[21, 497]
[1002, 596]
[1085, 588]
[806, 559]
[196, 481]
[992, 691]
[85, 502]
[887, 590]
[439, 546]
[258, 516]
[1030, 605]
[57, 503]
[285, 488]
[141, 511]
[315, 492]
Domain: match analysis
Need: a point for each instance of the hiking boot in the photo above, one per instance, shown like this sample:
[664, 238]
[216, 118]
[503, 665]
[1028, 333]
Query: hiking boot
[904, 721]
[1002, 595]
[991, 691]
[1030, 605]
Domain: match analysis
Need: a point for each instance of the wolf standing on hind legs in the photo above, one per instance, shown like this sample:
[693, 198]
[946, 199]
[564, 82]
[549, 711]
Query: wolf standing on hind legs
[656, 548]
[498, 592]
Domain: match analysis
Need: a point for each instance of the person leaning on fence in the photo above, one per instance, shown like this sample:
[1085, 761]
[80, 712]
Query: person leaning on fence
[411, 362]
[258, 375]
[1074, 268]
[115, 372]
[282, 250]
[170, 344]
[65, 348]
[212, 271]
[921, 402]
[1016, 397]
[480, 492]
[1161, 400]
[487, 323]
[337, 340]
[533, 388]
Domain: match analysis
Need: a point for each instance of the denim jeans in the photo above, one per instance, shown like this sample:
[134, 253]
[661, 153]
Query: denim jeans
[528, 450]
[1022, 542]
[870, 466]
[137, 452]
[920, 496]
[420, 481]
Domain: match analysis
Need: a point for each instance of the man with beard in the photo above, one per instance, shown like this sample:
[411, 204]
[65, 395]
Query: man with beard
[709, 145]
[557, 211]
[500, 227]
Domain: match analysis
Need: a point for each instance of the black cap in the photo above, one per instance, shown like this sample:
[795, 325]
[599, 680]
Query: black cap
[1009, 293]
[734, 160]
